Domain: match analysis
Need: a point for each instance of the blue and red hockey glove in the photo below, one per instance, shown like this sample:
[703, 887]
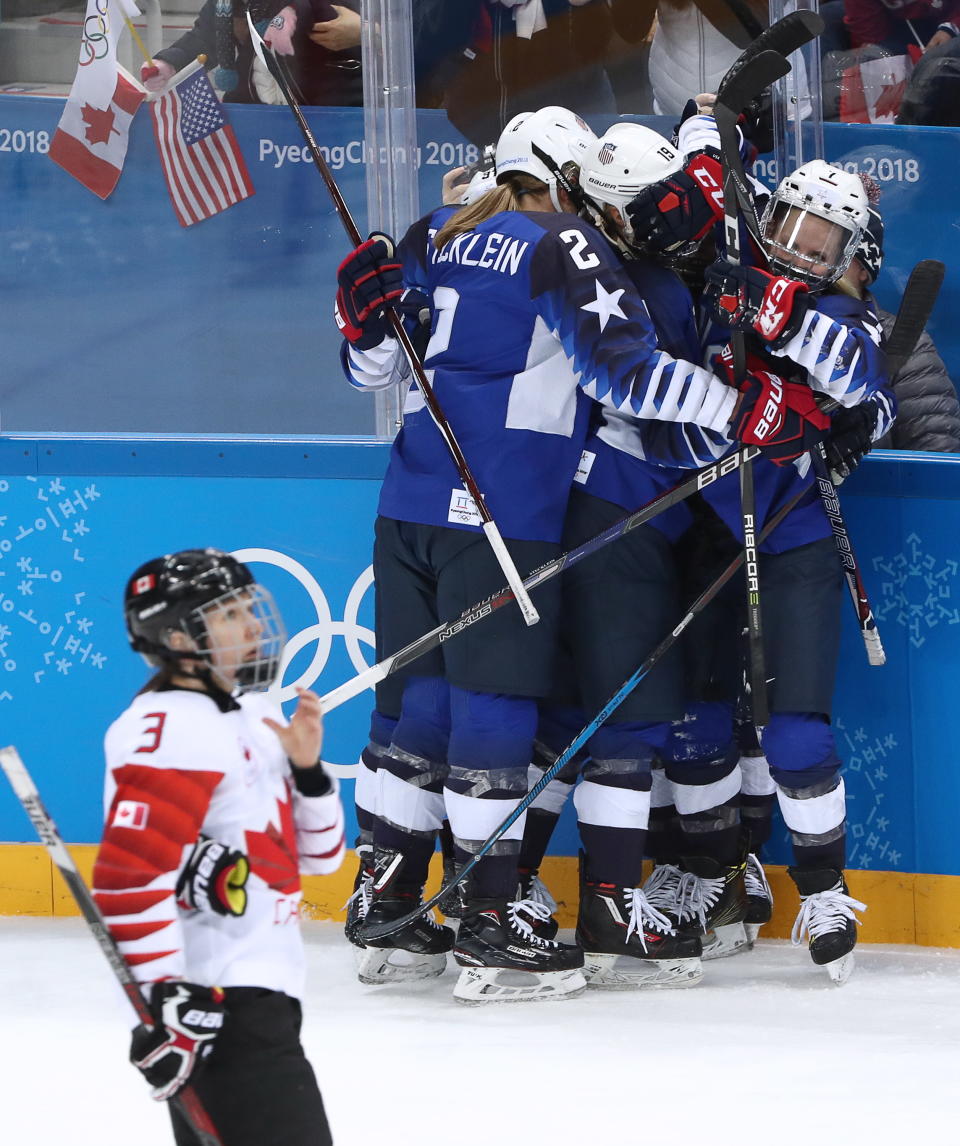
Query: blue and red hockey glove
[369, 279]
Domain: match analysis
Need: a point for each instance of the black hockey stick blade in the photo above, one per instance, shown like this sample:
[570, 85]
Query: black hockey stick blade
[785, 36]
[916, 306]
[741, 85]
[186, 1100]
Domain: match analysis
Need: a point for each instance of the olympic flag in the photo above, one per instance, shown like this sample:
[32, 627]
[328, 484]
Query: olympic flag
[90, 142]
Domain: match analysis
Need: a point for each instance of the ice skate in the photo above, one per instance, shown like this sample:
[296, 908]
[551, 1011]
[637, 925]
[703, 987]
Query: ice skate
[827, 917]
[505, 960]
[450, 905]
[418, 949]
[531, 887]
[704, 898]
[628, 945]
[759, 899]
[359, 902]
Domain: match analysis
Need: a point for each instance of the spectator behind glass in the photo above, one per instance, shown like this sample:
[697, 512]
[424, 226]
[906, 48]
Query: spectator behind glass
[519, 54]
[928, 412]
[322, 38]
[695, 42]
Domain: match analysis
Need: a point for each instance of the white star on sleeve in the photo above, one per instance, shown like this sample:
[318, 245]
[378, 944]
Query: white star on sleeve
[606, 305]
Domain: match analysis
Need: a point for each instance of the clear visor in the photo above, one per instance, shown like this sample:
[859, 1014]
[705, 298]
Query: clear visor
[806, 246]
[241, 636]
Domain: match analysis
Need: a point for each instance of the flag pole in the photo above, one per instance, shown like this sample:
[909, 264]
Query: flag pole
[136, 39]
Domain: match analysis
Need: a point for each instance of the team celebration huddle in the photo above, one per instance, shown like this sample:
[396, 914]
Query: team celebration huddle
[599, 318]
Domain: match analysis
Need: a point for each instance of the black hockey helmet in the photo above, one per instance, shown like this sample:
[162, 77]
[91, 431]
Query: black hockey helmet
[178, 592]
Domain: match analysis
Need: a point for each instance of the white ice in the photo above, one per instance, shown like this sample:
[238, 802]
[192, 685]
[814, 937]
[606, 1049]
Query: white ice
[765, 1051]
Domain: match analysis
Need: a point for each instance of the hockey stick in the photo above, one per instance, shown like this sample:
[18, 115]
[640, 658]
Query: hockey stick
[450, 629]
[726, 125]
[506, 562]
[186, 1101]
[916, 305]
[759, 72]
[788, 34]
[377, 931]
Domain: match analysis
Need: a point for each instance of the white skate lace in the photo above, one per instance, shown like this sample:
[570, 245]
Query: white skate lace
[823, 912]
[755, 879]
[521, 911]
[364, 894]
[696, 895]
[642, 915]
[538, 892]
[662, 886]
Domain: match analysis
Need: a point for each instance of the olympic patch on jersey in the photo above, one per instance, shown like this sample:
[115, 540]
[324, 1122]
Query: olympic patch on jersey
[130, 814]
[463, 509]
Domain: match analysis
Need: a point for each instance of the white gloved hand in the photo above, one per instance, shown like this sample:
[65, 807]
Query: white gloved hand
[698, 133]
[154, 76]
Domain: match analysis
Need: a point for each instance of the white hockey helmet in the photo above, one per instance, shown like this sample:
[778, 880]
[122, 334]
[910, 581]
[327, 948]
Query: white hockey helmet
[813, 223]
[624, 160]
[556, 132]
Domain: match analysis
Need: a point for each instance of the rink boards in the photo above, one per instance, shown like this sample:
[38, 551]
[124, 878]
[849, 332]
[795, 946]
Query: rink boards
[77, 515]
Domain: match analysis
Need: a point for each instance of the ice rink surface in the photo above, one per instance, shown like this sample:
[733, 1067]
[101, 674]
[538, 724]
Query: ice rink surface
[765, 1050]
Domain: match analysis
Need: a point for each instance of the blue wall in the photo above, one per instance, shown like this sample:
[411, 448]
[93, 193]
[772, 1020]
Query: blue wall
[115, 318]
[76, 517]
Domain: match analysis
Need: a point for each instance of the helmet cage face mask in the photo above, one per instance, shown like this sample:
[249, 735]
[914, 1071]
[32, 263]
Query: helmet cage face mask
[813, 223]
[803, 244]
[175, 593]
[248, 664]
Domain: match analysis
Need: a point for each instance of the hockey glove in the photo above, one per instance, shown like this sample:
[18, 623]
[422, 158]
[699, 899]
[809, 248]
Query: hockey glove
[187, 1019]
[850, 438]
[752, 300]
[214, 879]
[370, 278]
[779, 416]
[679, 209]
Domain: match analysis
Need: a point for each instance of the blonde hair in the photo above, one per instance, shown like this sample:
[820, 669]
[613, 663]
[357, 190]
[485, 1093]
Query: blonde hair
[505, 197]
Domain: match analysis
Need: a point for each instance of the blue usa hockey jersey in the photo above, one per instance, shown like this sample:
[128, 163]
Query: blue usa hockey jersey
[532, 316]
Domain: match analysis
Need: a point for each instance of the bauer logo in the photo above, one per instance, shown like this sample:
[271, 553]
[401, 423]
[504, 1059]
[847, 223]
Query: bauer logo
[130, 814]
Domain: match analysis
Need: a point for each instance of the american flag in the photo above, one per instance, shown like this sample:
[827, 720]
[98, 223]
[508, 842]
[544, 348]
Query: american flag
[201, 161]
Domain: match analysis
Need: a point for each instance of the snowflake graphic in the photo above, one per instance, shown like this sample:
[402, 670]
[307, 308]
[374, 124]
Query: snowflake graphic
[916, 592]
[869, 842]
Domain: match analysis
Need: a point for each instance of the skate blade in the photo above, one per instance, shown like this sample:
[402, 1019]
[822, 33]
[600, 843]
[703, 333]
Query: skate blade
[478, 986]
[376, 965]
[626, 973]
[728, 939]
[841, 969]
[752, 930]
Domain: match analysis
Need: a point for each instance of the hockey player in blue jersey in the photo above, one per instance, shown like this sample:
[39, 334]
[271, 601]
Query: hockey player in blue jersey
[811, 227]
[533, 316]
[626, 462]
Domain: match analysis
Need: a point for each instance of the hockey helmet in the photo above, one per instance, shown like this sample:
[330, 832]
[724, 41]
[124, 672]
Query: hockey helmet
[870, 250]
[554, 132]
[181, 592]
[813, 223]
[624, 160]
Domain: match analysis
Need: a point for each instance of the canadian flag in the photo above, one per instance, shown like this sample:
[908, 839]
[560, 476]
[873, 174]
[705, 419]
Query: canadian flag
[871, 91]
[130, 814]
[90, 142]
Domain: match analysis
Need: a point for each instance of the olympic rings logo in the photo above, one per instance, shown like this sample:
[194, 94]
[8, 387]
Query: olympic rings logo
[95, 43]
[322, 631]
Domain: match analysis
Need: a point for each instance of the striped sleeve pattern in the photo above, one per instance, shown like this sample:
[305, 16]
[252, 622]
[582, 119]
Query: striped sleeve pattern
[153, 816]
[842, 361]
[320, 831]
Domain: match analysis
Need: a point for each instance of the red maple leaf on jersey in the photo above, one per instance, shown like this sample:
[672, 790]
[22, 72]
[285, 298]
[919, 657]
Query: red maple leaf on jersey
[273, 853]
[99, 123]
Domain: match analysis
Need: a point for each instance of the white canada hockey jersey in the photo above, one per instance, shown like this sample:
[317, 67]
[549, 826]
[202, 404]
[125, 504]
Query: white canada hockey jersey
[177, 766]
